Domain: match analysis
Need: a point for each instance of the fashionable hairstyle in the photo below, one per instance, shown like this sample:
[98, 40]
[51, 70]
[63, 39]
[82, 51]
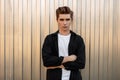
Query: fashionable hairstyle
[64, 10]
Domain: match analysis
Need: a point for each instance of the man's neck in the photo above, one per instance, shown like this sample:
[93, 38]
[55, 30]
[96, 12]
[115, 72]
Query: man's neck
[64, 32]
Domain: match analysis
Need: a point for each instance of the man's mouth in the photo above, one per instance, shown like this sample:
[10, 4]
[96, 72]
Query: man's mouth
[64, 26]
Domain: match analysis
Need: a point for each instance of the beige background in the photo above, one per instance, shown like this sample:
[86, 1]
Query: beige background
[25, 23]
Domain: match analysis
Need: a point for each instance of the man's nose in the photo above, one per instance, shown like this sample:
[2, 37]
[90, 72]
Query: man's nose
[65, 22]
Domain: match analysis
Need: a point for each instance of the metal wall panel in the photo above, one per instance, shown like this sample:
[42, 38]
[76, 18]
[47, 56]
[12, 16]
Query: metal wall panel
[25, 23]
[2, 40]
[18, 48]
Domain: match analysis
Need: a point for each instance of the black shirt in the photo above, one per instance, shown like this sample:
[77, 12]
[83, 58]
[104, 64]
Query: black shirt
[50, 55]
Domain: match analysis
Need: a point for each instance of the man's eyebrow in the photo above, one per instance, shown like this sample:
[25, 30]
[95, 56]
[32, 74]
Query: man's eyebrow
[61, 19]
[68, 19]
[65, 19]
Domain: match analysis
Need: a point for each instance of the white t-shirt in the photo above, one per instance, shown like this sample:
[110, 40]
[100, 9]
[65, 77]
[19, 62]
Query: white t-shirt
[63, 41]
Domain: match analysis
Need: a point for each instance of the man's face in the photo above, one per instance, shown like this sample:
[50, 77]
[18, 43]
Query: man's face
[64, 22]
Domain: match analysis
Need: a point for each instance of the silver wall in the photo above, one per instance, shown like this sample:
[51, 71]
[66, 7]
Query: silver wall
[25, 23]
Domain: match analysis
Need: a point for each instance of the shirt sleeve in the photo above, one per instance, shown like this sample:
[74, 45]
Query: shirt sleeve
[48, 59]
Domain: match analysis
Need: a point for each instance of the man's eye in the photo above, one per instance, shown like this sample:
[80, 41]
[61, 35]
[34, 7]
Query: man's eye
[61, 19]
[67, 19]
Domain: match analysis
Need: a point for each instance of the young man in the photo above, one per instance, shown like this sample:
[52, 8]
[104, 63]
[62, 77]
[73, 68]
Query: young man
[63, 52]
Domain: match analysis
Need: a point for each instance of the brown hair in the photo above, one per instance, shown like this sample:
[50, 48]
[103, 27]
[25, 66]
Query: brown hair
[64, 10]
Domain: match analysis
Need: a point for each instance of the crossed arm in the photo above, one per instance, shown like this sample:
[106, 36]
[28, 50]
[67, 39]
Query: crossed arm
[69, 62]
[66, 59]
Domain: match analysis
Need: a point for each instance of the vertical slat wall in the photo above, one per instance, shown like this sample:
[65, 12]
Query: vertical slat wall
[2, 40]
[8, 54]
[25, 23]
[18, 48]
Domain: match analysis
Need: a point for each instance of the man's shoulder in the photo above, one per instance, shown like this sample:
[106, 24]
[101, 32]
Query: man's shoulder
[76, 35]
[54, 34]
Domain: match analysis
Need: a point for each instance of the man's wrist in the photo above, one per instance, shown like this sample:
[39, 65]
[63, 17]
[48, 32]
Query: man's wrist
[66, 59]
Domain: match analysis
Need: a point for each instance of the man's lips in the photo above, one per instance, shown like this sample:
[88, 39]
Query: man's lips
[64, 26]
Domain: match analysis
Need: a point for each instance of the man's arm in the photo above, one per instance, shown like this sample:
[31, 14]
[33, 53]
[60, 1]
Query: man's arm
[49, 59]
[65, 59]
[79, 63]
[69, 58]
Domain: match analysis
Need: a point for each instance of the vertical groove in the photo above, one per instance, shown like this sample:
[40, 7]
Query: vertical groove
[31, 39]
[22, 41]
[90, 41]
[40, 39]
[99, 45]
[76, 15]
[49, 17]
[5, 39]
[13, 40]
[85, 18]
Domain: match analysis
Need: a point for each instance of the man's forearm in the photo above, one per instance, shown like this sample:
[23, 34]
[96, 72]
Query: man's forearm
[66, 59]
[69, 58]
[61, 66]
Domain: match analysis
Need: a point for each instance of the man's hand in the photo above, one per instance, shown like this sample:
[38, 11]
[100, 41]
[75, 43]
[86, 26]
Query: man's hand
[61, 66]
[69, 58]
